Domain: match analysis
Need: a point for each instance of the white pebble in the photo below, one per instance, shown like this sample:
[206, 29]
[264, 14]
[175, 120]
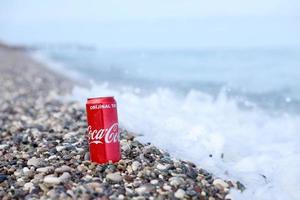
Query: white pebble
[52, 180]
[220, 183]
[162, 167]
[33, 162]
[176, 181]
[167, 187]
[180, 193]
[228, 197]
[28, 186]
[25, 170]
[135, 165]
[17, 173]
[3, 146]
[60, 148]
[52, 157]
[154, 182]
[63, 168]
[44, 169]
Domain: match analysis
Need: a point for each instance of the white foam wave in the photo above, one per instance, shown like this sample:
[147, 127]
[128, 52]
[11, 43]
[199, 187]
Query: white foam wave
[259, 150]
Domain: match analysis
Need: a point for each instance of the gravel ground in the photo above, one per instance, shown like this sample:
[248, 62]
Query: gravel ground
[44, 149]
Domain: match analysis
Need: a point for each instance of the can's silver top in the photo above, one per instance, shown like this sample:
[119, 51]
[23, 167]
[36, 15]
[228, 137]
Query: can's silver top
[94, 98]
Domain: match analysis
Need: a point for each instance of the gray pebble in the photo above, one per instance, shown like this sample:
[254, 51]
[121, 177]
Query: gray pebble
[114, 177]
[146, 188]
[65, 177]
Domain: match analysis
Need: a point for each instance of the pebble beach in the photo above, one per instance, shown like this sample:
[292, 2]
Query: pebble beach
[44, 148]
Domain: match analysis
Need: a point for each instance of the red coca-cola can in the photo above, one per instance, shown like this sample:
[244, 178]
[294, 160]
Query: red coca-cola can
[103, 130]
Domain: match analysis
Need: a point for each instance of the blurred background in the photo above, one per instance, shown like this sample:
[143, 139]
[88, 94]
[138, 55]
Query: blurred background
[220, 74]
[250, 47]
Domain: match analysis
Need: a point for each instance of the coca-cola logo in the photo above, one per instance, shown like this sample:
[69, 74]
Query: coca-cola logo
[110, 135]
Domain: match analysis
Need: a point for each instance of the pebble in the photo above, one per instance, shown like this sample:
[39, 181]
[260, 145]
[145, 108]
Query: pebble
[162, 167]
[228, 197]
[114, 177]
[25, 170]
[145, 189]
[128, 191]
[65, 177]
[63, 168]
[69, 135]
[52, 157]
[50, 179]
[135, 165]
[176, 181]
[60, 148]
[33, 162]
[220, 183]
[16, 173]
[3, 146]
[180, 193]
[167, 187]
[154, 182]
[125, 146]
[45, 169]
[3, 177]
[28, 186]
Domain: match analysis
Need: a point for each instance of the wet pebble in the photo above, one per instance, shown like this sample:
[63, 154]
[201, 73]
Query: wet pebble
[220, 184]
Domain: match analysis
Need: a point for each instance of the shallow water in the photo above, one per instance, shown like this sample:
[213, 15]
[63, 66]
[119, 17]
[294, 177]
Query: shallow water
[240, 106]
[268, 77]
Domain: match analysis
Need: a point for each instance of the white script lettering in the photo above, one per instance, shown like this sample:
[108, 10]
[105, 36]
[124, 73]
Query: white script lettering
[110, 135]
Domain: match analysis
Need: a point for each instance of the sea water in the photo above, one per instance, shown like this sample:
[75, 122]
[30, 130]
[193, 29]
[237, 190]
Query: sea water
[234, 112]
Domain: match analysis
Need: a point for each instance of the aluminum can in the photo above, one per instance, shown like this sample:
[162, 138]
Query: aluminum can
[103, 130]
